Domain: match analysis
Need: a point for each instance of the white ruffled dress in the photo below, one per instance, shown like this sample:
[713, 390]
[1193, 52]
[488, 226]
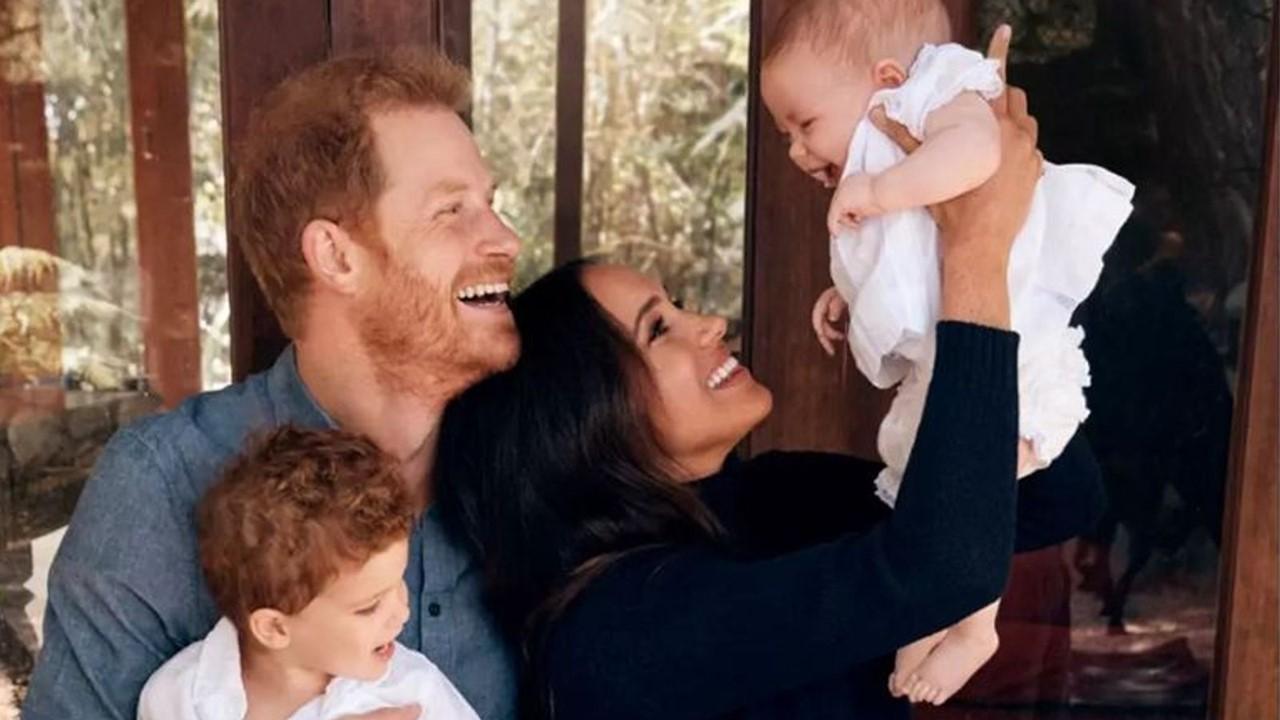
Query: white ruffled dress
[887, 271]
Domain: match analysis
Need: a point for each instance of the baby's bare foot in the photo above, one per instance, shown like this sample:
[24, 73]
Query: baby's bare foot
[950, 665]
[909, 659]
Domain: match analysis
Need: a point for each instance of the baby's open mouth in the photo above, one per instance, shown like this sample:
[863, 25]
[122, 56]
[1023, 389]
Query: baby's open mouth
[384, 652]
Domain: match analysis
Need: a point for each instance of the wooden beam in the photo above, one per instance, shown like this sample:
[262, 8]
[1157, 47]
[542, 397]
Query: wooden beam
[571, 48]
[256, 56]
[824, 403]
[162, 185]
[10, 227]
[1247, 671]
[362, 24]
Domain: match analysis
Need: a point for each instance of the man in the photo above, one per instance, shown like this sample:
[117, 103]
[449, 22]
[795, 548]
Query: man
[364, 209]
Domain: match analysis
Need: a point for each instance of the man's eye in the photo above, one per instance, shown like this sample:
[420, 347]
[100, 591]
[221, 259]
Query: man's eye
[451, 209]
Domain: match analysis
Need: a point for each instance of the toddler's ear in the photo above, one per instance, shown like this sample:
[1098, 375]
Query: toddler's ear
[269, 627]
[888, 74]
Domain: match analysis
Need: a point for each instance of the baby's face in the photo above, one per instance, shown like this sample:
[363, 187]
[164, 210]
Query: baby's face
[349, 630]
[816, 102]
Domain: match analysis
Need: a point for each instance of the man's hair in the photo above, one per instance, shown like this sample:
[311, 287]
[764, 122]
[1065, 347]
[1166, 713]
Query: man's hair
[291, 513]
[859, 31]
[309, 153]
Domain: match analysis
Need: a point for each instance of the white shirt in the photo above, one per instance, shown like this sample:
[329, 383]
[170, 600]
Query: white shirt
[203, 682]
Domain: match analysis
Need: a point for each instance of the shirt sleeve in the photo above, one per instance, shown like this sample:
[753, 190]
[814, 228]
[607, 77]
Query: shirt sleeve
[698, 632]
[120, 601]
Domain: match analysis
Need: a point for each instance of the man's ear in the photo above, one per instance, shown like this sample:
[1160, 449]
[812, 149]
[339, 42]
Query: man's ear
[888, 74]
[270, 628]
[331, 254]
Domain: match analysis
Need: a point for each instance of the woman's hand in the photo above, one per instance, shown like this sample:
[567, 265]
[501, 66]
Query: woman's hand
[977, 229]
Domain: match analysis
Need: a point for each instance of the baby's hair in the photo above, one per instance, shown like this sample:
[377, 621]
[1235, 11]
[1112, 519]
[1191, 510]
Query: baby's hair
[860, 31]
[291, 513]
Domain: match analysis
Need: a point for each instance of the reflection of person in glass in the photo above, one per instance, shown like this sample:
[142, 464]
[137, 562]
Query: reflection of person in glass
[1161, 411]
[829, 65]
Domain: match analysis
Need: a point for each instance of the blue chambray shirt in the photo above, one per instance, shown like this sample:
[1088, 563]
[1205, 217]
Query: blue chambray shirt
[126, 591]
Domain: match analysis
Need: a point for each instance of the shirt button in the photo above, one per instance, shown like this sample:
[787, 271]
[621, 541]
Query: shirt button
[434, 609]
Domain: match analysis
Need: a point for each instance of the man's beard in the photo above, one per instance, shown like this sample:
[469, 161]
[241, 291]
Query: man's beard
[418, 344]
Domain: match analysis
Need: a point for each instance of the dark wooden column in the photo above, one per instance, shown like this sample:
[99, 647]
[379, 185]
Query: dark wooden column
[162, 183]
[820, 402]
[26, 181]
[257, 54]
[571, 46]
[1247, 672]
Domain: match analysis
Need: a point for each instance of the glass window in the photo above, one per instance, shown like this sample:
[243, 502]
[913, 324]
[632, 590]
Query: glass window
[73, 336]
[1121, 622]
[665, 143]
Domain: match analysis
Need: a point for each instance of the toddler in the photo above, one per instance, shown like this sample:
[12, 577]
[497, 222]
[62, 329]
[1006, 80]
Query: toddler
[831, 62]
[303, 543]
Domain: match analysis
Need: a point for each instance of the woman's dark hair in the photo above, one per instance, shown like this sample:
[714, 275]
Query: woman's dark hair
[551, 471]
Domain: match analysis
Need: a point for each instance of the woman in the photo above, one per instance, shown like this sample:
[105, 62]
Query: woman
[647, 578]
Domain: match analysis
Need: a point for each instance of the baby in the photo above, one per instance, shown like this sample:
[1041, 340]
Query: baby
[303, 543]
[829, 63]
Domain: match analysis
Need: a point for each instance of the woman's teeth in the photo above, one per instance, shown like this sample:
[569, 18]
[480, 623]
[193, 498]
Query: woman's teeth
[486, 293]
[722, 373]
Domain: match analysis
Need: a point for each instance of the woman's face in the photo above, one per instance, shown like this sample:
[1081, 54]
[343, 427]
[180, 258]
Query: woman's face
[706, 401]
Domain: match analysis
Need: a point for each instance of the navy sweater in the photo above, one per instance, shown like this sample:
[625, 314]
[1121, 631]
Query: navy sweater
[799, 614]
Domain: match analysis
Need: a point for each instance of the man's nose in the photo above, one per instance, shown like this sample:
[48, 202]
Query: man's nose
[499, 240]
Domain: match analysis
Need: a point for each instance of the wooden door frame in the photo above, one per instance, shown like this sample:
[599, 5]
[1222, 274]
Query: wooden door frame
[1247, 667]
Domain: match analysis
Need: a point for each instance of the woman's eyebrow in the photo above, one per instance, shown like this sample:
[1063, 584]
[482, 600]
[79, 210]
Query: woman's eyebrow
[645, 308]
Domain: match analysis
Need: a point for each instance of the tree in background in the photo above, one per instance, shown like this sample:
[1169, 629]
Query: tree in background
[665, 135]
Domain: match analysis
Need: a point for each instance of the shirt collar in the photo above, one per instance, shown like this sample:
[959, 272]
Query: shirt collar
[291, 401]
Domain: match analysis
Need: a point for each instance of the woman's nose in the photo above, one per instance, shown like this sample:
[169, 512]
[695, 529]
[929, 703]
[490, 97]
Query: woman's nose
[714, 328]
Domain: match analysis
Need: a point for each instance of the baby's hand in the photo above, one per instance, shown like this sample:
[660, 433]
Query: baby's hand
[827, 312]
[853, 202]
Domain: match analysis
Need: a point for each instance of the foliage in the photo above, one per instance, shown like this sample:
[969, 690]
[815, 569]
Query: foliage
[87, 111]
[665, 135]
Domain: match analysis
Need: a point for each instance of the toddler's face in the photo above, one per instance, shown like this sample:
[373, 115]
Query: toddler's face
[349, 630]
[816, 102]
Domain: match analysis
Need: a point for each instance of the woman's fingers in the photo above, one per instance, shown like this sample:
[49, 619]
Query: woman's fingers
[998, 48]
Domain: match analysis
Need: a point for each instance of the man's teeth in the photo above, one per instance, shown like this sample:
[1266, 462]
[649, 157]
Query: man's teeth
[472, 292]
[722, 373]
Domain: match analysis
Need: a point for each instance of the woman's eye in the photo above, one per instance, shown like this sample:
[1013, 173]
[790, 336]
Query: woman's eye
[658, 329]
[678, 303]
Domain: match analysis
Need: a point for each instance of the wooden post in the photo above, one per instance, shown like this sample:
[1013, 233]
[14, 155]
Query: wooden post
[26, 180]
[256, 56]
[162, 184]
[571, 46]
[1247, 671]
[825, 403]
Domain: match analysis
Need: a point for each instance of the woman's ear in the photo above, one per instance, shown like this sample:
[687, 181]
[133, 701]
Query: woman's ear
[330, 252]
[888, 74]
[270, 628]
